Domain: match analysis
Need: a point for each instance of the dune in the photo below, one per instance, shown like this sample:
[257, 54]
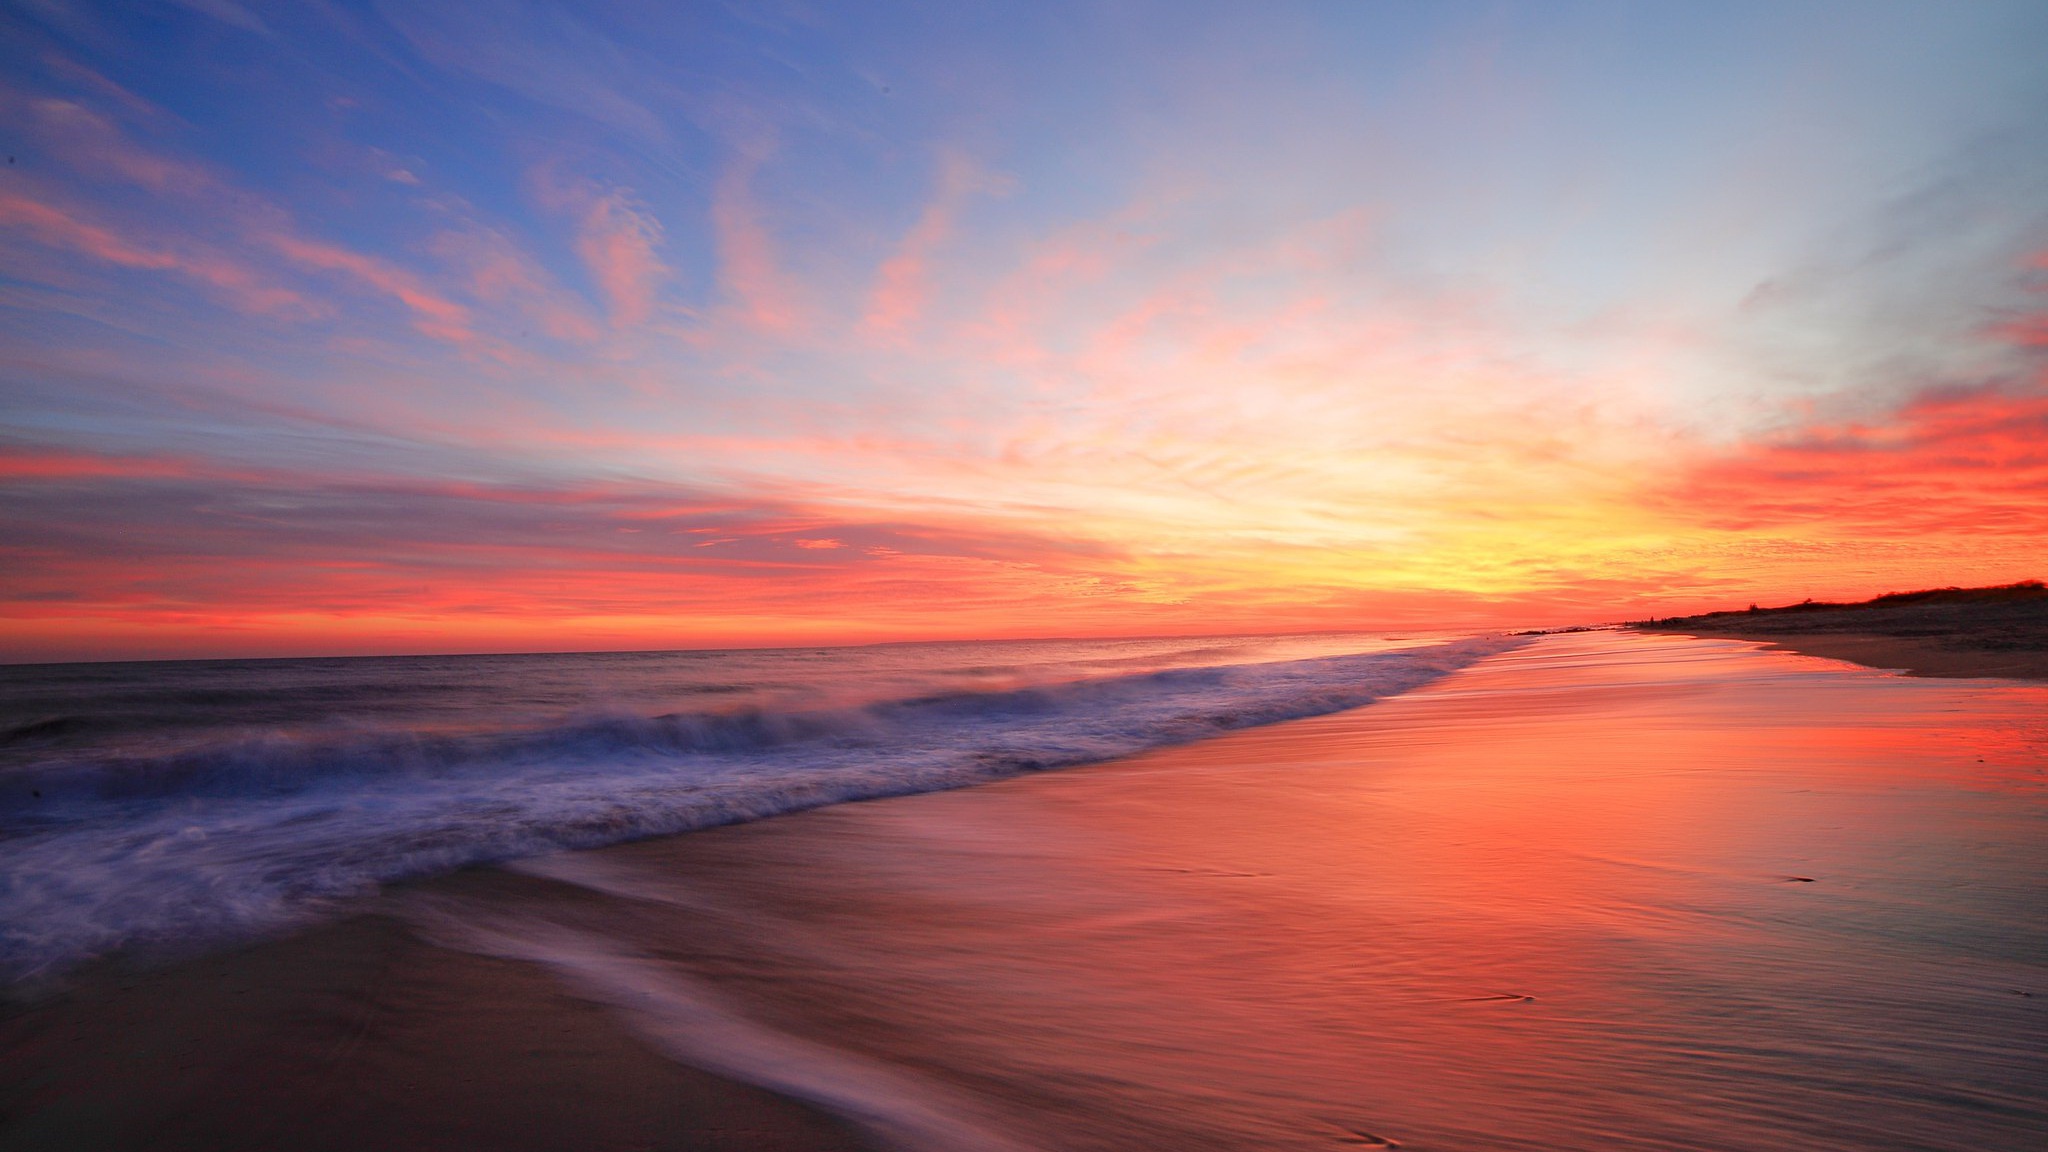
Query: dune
[1953, 632]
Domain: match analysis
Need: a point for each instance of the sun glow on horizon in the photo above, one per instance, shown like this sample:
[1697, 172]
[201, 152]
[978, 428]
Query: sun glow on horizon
[575, 327]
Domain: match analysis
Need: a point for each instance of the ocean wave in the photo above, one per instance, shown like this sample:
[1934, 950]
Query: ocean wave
[196, 845]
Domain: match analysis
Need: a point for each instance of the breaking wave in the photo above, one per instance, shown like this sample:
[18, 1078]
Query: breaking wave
[195, 845]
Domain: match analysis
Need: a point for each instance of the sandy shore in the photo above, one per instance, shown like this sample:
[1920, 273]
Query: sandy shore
[359, 1035]
[1617, 889]
[2007, 637]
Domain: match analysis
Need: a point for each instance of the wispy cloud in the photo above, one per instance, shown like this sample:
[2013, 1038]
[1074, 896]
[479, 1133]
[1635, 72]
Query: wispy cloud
[433, 314]
[902, 285]
[505, 277]
[96, 146]
[749, 270]
[235, 282]
[619, 241]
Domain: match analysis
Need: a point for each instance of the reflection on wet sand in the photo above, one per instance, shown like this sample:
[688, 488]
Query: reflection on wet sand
[1608, 890]
[1643, 892]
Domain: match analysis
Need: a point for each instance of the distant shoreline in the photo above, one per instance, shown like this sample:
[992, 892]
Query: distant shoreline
[1947, 632]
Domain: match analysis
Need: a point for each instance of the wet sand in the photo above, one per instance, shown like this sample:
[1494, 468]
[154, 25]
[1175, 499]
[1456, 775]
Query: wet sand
[360, 1035]
[1612, 889]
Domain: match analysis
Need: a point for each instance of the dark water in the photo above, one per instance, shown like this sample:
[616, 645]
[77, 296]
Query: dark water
[181, 804]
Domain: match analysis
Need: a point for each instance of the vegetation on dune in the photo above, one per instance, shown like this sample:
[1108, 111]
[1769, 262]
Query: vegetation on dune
[2020, 592]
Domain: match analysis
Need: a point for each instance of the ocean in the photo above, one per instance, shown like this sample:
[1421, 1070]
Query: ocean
[184, 804]
[1645, 893]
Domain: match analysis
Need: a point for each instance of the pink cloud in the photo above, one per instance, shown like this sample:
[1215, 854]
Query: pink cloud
[502, 275]
[902, 284]
[27, 464]
[94, 145]
[617, 241]
[433, 315]
[57, 228]
[85, 77]
[1033, 296]
[747, 259]
[89, 141]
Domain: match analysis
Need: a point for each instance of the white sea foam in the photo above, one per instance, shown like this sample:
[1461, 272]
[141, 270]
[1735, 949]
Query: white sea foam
[212, 843]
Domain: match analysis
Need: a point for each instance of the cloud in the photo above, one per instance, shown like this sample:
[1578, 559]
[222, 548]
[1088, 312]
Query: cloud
[433, 314]
[1950, 463]
[93, 144]
[503, 275]
[618, 240]
[135, 106]
[902, 284]
[142, 541]
[46, 464]
[748, 268]
[96, 146]
[238, 284]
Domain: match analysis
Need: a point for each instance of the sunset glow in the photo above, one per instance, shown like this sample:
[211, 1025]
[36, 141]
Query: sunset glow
[452, 327]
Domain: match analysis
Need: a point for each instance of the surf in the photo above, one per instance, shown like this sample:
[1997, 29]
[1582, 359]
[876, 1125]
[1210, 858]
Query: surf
[124, 845]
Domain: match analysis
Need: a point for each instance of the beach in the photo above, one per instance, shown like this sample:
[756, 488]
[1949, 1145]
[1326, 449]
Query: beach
[1640, 891]
[360, 1035]
[999, 577]
[1946, 632]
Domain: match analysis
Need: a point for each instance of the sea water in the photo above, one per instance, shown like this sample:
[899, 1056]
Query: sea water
[185, 803]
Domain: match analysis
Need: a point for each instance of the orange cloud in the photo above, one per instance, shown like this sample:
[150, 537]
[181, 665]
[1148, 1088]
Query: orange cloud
[183, 554]
[1949, 463]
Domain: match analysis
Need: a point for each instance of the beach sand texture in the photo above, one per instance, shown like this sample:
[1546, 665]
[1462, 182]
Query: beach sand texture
[1610, 889]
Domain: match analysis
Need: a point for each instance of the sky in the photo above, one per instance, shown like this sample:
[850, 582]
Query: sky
[433, 326]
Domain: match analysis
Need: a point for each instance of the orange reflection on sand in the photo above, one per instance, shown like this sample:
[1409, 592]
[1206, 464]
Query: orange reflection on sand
[1650, 890]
